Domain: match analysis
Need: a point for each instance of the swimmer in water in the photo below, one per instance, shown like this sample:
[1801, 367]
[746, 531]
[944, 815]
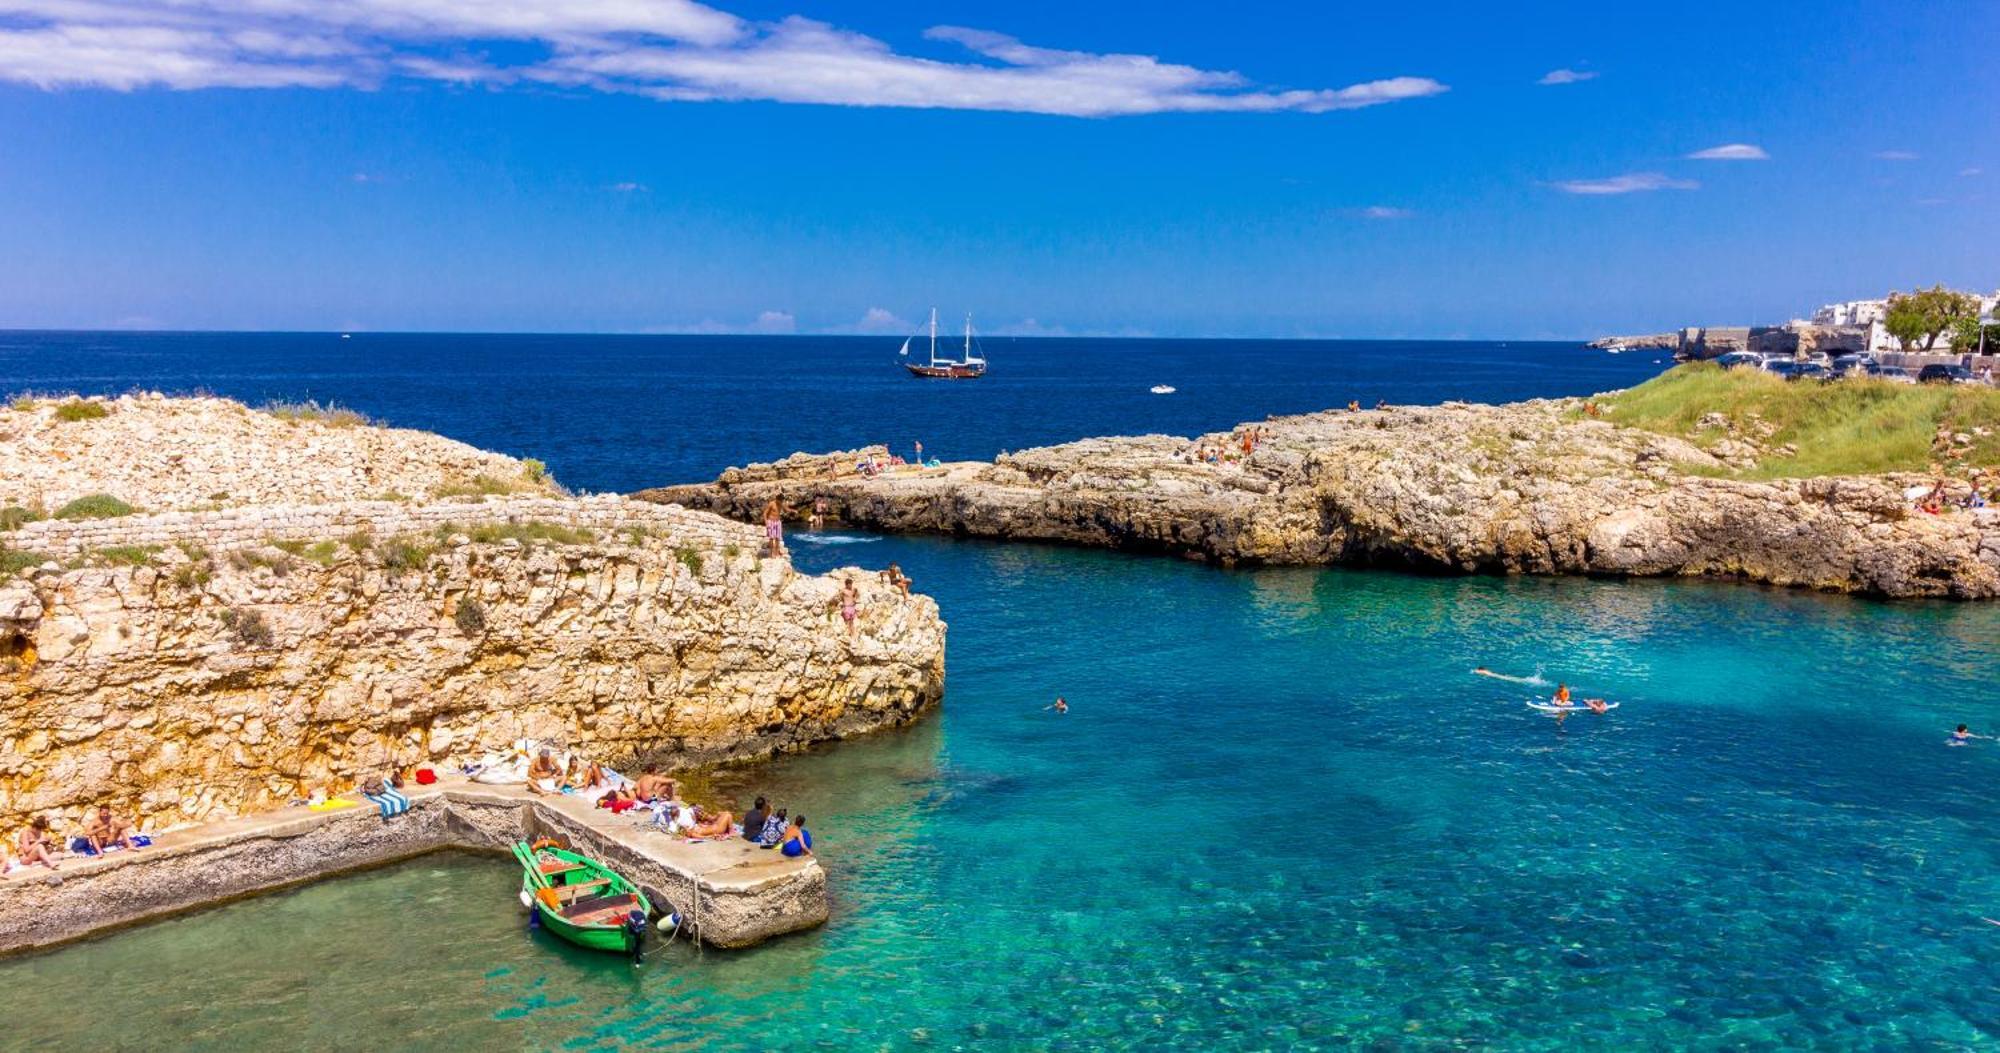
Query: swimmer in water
[1597, 706]
[1962, 737]
[1058, 705]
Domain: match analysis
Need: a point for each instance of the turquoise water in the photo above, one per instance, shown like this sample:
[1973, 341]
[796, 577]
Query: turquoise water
[1280, 814]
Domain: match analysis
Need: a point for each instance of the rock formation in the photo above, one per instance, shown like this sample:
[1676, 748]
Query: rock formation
[195, 665]
[1532, 487]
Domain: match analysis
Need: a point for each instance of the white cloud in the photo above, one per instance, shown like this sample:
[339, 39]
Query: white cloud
[1731, 152]
[1629, 183]
[668, 49]
[1385, 212]
[1567, 76]
[877, 320]
[1970, 171]
[1894, 155]
[775, 322]
[767, 323]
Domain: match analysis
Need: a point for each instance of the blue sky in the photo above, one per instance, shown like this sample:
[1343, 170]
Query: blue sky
[1188, 169]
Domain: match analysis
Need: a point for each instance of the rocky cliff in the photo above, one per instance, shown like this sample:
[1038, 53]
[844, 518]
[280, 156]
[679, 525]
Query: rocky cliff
[195, 665]
[1534, 487]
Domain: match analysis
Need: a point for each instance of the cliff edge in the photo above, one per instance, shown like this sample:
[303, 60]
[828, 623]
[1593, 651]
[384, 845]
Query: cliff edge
[1539, 487]
[198, 664]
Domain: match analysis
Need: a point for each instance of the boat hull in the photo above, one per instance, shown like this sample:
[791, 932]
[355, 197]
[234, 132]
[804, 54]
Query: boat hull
[942, 372]
[601, 926]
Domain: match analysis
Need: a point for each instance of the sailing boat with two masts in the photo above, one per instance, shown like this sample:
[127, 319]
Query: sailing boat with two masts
[967, 367]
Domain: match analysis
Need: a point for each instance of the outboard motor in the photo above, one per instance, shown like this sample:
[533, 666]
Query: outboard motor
[635, 932]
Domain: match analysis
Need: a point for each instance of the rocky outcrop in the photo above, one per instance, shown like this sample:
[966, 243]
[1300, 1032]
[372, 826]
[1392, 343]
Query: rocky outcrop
[193, 665]
[158, 454]
[194, 686]
[1533, 487]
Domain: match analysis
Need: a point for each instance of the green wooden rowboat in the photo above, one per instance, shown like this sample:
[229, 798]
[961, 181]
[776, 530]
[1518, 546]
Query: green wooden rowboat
[580, 899]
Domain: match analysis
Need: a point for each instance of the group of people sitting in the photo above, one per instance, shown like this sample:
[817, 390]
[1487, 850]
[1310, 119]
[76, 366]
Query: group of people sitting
[661, 795]
[101, 832]
[1938, 500]
[1245, 442]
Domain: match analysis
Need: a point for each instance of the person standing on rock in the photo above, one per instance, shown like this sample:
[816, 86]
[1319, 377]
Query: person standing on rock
[850, 604]
[818, 521]
[774, 527]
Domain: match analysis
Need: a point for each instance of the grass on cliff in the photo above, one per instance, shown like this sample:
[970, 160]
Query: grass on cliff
[14, 561]
[80, 410]
[1853, 426]
[95, 506]
[331, 414]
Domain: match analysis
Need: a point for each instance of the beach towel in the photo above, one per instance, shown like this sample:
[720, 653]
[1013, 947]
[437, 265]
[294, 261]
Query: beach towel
[390, 801]
[330, 804]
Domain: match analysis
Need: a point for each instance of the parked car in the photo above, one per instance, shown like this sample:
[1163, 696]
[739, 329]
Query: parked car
[1844, 365]
[1896, 374]
[1940, 373]
[1735, 359]
[1793, 370]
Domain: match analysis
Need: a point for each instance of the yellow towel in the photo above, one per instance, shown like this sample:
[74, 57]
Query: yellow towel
[330, 804]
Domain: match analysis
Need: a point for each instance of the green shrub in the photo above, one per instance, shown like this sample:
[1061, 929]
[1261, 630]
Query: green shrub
[191, 575]
[124, 555]
[534, 471]
[249, 626]
[690, 557]
[470, 617]
[95, 506]
[359, 541]
[81, 409]
[731, 551]
[530, 532]
[14, 517]
[323, 552]
[193, 551]
[23, 404]
[403, 553]
[330, 414]
[248, 559]
[287, 546]
[14, 561]
[481, 485]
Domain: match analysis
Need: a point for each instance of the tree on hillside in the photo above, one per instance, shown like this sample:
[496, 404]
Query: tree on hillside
[1919, 318]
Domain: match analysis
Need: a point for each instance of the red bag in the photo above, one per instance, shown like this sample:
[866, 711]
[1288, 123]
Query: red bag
[426, 776]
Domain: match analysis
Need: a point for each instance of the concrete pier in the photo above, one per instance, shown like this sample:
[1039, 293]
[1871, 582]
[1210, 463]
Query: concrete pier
[730, 893]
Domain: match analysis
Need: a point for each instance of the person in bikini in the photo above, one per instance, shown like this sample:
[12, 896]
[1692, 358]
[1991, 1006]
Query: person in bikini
[714, 826]
[34, 845]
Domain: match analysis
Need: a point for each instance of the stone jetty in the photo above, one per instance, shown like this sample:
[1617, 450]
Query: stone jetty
[729, 893]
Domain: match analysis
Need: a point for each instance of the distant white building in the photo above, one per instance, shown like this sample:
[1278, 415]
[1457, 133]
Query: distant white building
[1868, 314]
[1853, 312]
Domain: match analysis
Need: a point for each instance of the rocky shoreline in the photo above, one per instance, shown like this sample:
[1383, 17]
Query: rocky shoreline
[1537, 487]
[194, 646]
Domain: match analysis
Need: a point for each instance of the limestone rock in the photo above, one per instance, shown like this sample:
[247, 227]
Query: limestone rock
[1532, 487]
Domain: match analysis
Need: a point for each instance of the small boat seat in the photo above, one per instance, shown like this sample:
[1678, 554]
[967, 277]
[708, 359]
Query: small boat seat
[600, 910]
[576, 890]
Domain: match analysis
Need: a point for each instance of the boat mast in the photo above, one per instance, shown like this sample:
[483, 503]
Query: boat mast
[933, 336]
[968, 337]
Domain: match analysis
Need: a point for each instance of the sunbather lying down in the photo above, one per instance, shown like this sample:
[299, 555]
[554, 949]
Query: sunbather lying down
[384, 796]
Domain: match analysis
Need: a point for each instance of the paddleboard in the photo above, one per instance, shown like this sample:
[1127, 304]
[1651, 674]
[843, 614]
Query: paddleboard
[1549, 707]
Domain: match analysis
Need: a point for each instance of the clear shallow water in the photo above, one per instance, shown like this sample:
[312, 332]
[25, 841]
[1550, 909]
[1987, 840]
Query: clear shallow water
[618, 413]
[1280, 813]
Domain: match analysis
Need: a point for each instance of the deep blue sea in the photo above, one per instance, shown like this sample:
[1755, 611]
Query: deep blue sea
[1281, 813]
[618, 413]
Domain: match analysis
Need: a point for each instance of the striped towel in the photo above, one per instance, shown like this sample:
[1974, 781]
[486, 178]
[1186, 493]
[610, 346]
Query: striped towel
[390, 801]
